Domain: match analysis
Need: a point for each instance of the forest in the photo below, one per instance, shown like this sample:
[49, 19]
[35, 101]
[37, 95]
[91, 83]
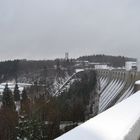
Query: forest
[41, 117]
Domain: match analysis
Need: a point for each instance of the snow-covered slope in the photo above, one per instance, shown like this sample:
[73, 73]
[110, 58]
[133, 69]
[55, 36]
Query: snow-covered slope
[120, 122]
[12, 86]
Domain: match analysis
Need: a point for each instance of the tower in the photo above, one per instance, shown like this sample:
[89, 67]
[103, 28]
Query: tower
[66, 56]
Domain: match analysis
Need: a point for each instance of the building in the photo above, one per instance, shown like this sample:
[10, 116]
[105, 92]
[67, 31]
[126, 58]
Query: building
[101, 66]
[131, 65]
[66, 56]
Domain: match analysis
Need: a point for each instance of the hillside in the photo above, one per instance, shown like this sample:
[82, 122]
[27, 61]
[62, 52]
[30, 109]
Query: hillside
[114, 61]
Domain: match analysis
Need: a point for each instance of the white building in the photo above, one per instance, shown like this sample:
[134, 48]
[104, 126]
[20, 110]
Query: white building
[131, 65]
[101, 66]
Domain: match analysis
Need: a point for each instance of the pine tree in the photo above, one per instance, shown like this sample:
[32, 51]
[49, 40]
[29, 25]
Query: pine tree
[9, 112]
[7, 100]
[24, 95]
[25, 103]
[30, 129]
[16, 93]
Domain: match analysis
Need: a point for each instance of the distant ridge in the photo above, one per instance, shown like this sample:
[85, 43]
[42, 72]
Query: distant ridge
[114, 61]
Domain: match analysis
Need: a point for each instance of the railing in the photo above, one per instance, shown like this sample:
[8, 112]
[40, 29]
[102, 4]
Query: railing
[120, 122]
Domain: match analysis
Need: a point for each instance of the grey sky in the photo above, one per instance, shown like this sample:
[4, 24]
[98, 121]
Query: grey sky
[41, 29]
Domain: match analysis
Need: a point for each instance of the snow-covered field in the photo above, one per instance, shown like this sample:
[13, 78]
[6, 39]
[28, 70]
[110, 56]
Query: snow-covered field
[120, 122]
[11, 85]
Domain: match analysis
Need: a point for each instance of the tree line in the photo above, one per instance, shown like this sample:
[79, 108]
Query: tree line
[114, 61]
[29, 70]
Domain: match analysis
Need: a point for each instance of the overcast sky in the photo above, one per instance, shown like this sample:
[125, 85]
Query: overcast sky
[42, 29]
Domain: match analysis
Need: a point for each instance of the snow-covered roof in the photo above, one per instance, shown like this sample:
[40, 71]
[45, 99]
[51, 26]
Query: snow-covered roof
[120, 122]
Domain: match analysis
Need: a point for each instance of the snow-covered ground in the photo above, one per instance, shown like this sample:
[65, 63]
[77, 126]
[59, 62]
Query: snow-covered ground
[120, 122]
[12, 86]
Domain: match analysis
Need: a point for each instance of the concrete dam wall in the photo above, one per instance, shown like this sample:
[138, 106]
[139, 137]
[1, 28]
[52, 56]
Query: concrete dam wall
[115, 86]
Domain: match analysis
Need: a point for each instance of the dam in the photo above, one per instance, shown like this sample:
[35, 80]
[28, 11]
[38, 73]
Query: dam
[118, 111]
[115, 86]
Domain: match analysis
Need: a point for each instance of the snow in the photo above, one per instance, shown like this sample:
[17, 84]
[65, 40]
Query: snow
[137, 82]
[79, 70]
[12, 86]
[120, 122]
